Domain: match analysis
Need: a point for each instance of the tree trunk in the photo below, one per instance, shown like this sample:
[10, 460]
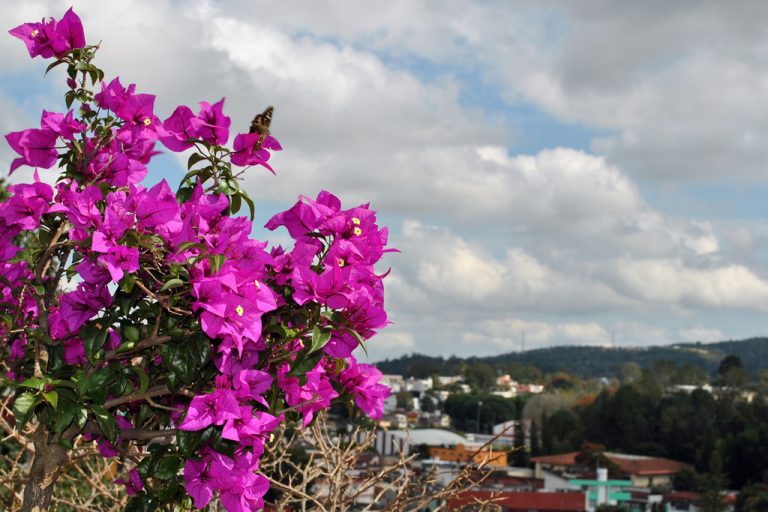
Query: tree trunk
[46, 468]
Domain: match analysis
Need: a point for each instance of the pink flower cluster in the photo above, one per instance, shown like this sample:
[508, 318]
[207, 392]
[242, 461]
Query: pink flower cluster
[117, 228]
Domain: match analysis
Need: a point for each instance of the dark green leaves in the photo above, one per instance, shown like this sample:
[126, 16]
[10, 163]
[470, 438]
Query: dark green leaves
[23, 407]
[304, 362]
[93, 339]
[171, 283]
[106, 422]
[319, 339]
[184, 359]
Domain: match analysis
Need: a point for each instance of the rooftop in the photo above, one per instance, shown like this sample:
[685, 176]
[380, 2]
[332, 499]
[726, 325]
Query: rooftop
[638, 465]
[433, 437]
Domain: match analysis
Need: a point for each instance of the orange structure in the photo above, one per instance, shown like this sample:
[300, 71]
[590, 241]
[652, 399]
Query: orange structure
[460, 453]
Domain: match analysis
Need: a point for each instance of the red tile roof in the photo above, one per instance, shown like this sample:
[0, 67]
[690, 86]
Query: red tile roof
[631, 465]
[563, 459]
[524, 501]
[647, 467]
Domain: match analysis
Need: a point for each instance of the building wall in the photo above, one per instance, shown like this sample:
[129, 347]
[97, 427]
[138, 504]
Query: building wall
[651, 481]
[460, 453]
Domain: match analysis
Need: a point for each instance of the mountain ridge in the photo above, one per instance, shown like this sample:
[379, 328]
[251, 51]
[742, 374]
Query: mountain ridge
[591, 361]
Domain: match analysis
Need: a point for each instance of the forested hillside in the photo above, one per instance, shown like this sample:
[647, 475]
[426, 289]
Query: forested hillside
[590, 361]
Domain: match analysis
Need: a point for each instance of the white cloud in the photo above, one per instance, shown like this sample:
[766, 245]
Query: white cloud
[516, 334]
[669, 281]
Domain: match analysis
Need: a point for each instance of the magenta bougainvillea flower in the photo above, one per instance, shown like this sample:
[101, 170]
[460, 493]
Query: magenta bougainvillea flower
[120, 259]
[36, 147]
[169, 289]
[210, 124]
[133, 485]
[64, 125]
[248, 151]
[51, 38]
[362, 381]
[177, 131]
[113, 95]
[74, 351]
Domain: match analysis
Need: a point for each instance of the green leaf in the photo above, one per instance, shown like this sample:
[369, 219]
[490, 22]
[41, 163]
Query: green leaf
[187, 245]
[93, 339]
[106, 422]
[218, 261]
[127, 283]
[131, 333]
[189, 442]
[171, 283]
[204, 173]
[234, 204]
[69, 98]
[319, 339]
[99, 384]
[52, 397]
[34, 383]
[360, 340]
[302, 365]
[81, 416]
[142, 503]
[168, 491]
[249, 202]
[143, 378]
[65, 414]
[57, 63]
[168, 467]
[184, 359]
[194, 158]
[24, 404]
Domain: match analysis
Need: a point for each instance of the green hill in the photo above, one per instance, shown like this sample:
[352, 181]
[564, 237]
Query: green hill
[591, 361]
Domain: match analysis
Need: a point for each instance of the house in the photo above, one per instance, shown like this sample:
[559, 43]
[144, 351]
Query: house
[463, 454]
[394, 382]
[688, 501]
[521, 501]
[643, 471]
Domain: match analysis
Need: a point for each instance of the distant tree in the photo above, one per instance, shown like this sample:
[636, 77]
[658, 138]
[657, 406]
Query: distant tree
[535, 440]
[729, 362]
[761, 381]
[465, 410]
[563, 428]
[629, 419]
[685, 480]
[649, 384]
[731, 371]
[544, 404]
[404, 401]
[712, 484]
[665, 371]
[424, 367]
[481, 376]
[428, 404]
[690, 374]
[753, 498]
[521, 455]
[630, 372]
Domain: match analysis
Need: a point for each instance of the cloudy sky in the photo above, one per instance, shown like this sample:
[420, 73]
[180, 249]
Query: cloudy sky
[585, 172]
